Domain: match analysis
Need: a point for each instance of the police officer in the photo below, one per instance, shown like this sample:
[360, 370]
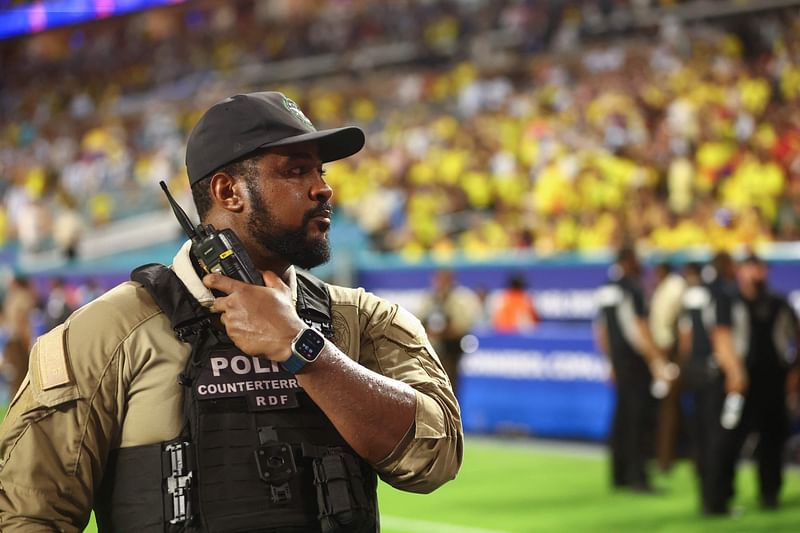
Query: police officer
[623, 334]
[183, 401]
[665, 309]
[710, 340]
[769, 353]
[449, 312]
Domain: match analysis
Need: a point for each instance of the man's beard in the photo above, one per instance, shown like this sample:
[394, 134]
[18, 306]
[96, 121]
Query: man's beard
[293, 245]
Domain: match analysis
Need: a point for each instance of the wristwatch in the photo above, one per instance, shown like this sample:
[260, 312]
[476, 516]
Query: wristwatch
[306, 347]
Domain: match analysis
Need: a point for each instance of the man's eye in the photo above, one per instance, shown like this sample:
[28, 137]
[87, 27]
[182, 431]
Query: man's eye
[301, 171]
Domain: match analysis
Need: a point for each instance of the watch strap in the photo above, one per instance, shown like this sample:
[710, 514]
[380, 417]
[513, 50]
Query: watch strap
[294, 363]
[307, 354]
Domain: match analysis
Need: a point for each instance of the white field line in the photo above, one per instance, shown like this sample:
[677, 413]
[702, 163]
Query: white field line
[410, 525]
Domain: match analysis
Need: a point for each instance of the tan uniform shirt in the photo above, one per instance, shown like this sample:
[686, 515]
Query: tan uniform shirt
[665, 307]
[107, 379]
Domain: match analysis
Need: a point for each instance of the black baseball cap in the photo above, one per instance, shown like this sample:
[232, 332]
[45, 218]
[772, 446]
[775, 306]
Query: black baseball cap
[244, 123]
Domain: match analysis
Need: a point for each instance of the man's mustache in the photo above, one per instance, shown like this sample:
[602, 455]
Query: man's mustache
[322, 210]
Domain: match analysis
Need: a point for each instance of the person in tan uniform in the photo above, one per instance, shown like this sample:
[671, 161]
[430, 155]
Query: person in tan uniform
[18, 306]
[115, 394]
[449, 312]
[665, 309]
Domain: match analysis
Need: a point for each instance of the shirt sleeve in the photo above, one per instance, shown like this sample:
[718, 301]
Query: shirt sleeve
[463, 309]
[637, 296]
[723, 309]
[394, 343]
[59, 431]
[53, 442]
[665, 309]
[786, 333]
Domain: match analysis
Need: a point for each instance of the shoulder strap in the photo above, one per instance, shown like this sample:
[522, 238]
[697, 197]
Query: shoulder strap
[185, 313]
[314, 301]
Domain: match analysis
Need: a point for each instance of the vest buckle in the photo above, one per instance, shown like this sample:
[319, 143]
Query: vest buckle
[185, 333]
[276, 466]
[276, 462]
[280, 493]
[179, 482]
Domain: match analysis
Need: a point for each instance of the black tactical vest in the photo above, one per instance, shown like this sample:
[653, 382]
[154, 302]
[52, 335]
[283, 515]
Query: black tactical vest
[256, 454]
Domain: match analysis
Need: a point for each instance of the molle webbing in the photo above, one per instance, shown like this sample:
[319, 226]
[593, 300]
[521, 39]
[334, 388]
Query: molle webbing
[185, 313]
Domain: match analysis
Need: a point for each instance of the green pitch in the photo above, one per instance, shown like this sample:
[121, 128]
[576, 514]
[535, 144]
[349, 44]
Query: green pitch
[518, 486]
[521, 487]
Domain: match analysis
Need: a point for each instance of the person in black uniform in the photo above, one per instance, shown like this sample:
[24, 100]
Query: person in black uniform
[623, 334]
[770, 354]
[708, 337]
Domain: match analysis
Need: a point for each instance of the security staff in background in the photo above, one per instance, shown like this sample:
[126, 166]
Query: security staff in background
[770, 353]
[623, 334]
[711, 331]
[190, 402]
[18, 306]
[449, 312]
[665, 308]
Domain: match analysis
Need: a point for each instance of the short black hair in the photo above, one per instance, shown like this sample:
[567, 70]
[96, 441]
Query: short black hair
[693, 268]
[753, 258]
[201, 190]
[517, 281]
[721, 261]
[202, 196]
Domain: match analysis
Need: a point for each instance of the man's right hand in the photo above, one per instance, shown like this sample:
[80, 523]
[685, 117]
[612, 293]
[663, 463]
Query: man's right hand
[664, 374]
[261, 321]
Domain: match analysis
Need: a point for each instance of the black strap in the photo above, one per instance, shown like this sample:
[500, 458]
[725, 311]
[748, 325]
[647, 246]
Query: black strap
[128, 500]
[191, 323]
[187, 316]
[314, 301]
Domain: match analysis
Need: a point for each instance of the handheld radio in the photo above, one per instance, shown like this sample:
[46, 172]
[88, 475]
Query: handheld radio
[216, 251]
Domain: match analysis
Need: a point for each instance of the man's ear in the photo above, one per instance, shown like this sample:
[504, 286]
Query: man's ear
[227, 192]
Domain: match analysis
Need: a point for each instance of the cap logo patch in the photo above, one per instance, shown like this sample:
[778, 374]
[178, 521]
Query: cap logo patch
[293, 108]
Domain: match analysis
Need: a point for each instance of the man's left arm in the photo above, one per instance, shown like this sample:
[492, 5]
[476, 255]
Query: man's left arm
[651, 353]
[394, 344]
[792, 334]
[395, 406]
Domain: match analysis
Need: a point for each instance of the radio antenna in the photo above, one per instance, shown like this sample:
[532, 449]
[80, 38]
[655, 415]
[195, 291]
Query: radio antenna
[180, 214]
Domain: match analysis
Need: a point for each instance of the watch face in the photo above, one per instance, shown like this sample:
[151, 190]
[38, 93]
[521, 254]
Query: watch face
[309, 345]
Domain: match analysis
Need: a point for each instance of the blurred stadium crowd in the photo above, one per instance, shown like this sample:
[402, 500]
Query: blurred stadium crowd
[492, 126]
[541, 126]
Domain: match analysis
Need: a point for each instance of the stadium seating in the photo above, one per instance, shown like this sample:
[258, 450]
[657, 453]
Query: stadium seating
[492, 126]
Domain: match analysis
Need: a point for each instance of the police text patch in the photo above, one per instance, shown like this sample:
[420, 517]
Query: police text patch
[231, 373]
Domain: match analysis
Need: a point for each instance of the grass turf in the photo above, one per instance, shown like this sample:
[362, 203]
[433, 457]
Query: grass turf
[515, 487]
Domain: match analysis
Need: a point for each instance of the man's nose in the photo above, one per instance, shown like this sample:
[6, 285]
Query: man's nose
[321, 191]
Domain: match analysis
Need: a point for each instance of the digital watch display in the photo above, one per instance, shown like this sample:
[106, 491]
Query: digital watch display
[306, 347]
